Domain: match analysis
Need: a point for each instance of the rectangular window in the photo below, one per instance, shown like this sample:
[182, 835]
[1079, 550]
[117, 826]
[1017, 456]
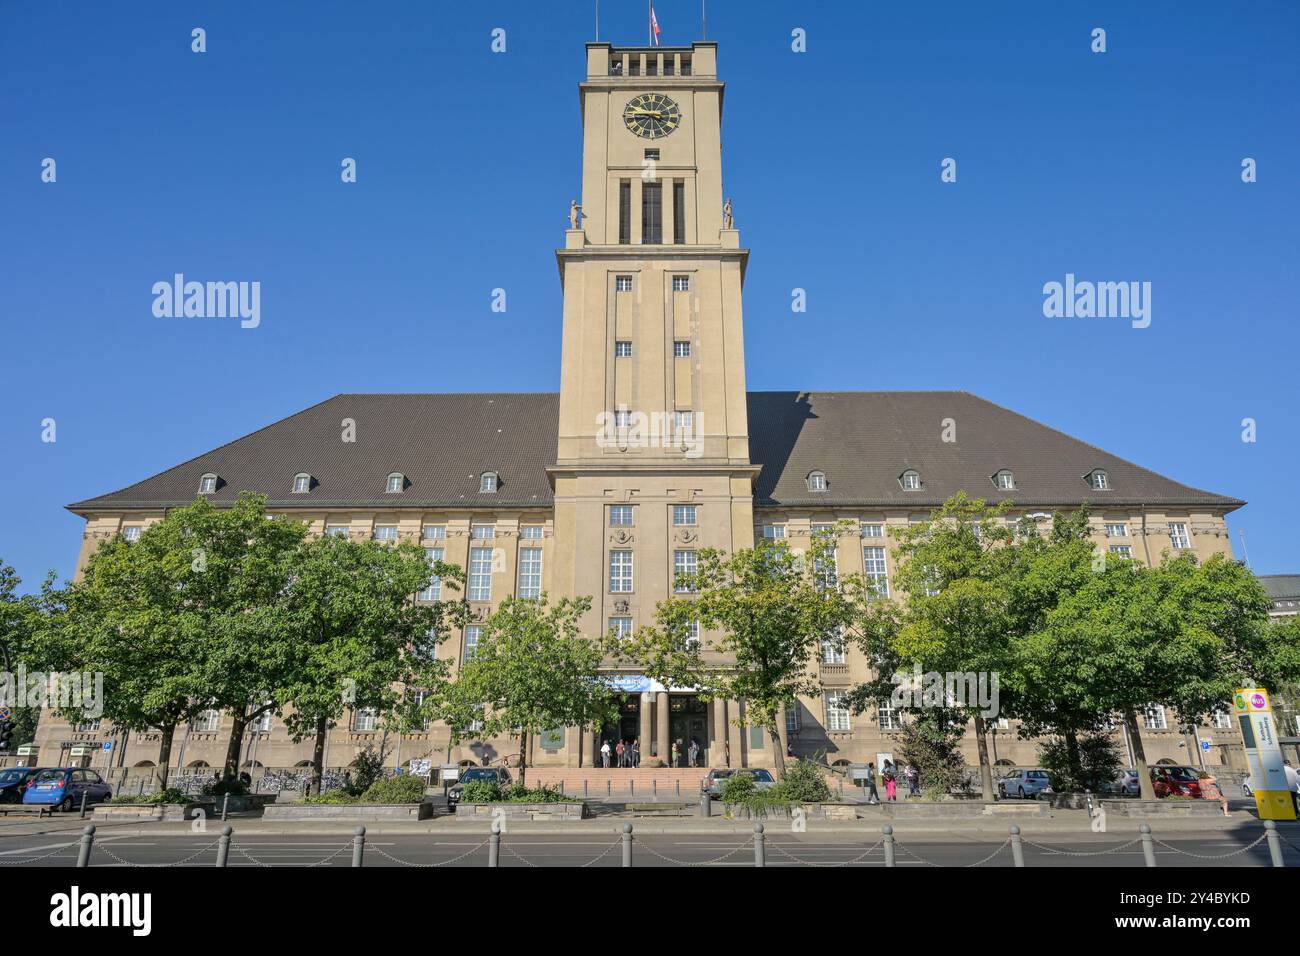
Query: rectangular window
[686, 65]
[873, 560]
[624, 211]
[620, 572]
[652, 155]
[337, 530]
[684, 514]
[620, 516]
[826, 571]
[693, 635]
[1178, 535]
[386, 532]
[793, 713]
[1117, 531]
[363, 720]
[681, 349]
[434, 591]
[530, 572]
[620, 627]
[483, 532]
[837, 712]
[262, 723]
[833, 650]
[684, 562]
[1122, 550]
[1221, 720]
[207, 722]
[532, 532]
[652, 214]
[1153, 715]
[681, 283]
[471, 640]
[622, 349]
[434, 532]
[683, 421]
[886, 716]
[132, 533]
[622, 283]
[679, 215]
[622, 418]
[774, 532]
[873, 531]
[480, 574]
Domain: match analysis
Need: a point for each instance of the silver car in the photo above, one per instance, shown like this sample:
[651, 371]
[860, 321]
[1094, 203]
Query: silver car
[763, 779]
[1025, 784]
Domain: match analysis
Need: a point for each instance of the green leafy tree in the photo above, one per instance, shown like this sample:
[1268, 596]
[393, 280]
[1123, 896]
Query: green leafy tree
[1091, 763]
[774, 609]
[23, 618]
[932, 742]
[531, 671]
[359, 637]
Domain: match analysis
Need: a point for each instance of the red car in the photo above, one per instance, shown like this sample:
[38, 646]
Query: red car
[1176, 781]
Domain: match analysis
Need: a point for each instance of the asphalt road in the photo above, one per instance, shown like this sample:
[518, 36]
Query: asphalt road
[783, 848]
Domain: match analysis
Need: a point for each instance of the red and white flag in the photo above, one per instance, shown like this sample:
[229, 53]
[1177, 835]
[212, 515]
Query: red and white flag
[654, 24]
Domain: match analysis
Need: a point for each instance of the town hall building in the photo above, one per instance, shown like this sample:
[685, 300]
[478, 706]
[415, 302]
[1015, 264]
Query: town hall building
[652, 450]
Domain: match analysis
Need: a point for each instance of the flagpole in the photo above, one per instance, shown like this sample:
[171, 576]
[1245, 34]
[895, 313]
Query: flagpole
[649, 20]
[704, 22]
[597, 21]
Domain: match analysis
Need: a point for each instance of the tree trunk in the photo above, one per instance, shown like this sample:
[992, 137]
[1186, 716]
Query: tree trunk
[982, 747]
[1072, 758]
[774, 734]
[523, 756]
[318, 756]
[164, 756]
[1148, 790]
[235, 744]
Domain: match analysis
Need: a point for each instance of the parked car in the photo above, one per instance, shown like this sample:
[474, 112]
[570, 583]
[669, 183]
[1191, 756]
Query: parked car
[1126, 784]
[498, 775]
[14, 782]
[1025, 784]
[763, 779]
[1176, 781]
[1247, 789]
[63, 787]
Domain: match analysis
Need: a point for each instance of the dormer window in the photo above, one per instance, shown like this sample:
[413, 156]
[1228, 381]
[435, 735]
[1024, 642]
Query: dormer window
[910, 480]
[301, 483]
[1098, 481]
[487, 483]
[817, 481]
[396, 483]
[1005, 480]
[208, 484]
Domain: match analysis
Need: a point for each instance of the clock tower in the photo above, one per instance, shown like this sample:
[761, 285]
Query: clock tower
[652, 460]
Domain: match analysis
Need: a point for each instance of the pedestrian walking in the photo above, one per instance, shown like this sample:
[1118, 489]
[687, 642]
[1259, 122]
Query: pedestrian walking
[694, 752]
[621, 752]
[604, 754]
[913, 780]
[891, 782]
[636, 753]
[676, 757]
[873, 795]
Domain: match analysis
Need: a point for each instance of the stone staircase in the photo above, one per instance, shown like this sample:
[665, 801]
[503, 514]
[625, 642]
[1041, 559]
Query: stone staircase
[643, 783]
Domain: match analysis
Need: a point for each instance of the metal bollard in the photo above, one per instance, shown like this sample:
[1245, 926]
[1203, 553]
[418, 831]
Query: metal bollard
[87, 841]
[631, 787]
[494, 849]
[654, 787]
[1017, 850]
[223, 846]
[760, 850]
[84, 795]
[1148, 848]
[1087, 795]
[706, 804]
[1274, 842]
[888, 831]
[225, 808]
[627, 844]
[679, 788]
[584, 786]
[358, 846]
[609, 788]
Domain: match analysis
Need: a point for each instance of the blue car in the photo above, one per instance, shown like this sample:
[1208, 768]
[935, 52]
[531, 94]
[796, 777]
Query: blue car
[63, 787]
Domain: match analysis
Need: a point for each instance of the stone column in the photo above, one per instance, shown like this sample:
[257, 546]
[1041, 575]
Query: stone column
[588, 745]
[717, 748]
[647, 728]
[662, 743]
[734, 735]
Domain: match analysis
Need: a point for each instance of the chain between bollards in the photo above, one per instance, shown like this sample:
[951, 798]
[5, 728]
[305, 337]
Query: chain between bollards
[888, 831]
[494, 848]
[87, 841]
[1148, 848]
[1274, 843]
[627, 844]
[223, 846]
[1017, 850]
[359, 847]
[760, 850]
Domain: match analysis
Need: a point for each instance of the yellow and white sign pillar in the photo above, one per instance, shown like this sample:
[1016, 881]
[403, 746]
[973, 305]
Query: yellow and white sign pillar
[1263, 754]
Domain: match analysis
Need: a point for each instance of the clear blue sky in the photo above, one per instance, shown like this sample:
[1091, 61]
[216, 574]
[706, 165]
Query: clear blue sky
[1116, 166]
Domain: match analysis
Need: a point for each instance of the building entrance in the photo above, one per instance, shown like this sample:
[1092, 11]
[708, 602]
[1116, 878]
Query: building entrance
[627, 728]
[688, 719]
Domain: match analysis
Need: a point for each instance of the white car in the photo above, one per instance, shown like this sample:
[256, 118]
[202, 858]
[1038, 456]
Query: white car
[1025, 784]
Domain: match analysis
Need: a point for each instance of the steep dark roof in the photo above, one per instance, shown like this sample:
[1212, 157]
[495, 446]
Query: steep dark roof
[863, 441]
[1281, 586]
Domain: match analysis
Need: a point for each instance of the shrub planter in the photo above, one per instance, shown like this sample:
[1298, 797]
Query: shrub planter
[812, 811]
[1163, 808]
[523, 811]
[964, 809]
[237, 804]
[169, 812]
[347, 812]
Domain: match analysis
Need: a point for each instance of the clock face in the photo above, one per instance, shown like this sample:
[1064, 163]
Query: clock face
[652, 115]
